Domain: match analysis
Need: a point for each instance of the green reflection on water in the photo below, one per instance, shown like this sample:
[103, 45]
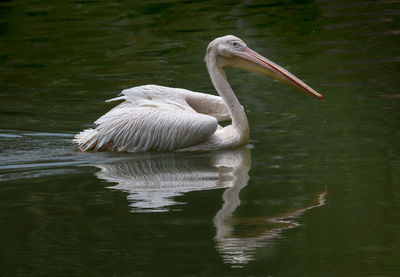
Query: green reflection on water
[60, 61]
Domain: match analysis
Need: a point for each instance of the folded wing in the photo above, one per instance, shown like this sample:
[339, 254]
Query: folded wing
[154, 118]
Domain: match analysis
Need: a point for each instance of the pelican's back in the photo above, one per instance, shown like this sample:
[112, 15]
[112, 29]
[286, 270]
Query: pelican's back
[151, 118]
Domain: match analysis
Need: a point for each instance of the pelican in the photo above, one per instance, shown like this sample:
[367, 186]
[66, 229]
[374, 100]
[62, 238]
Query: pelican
[158, 118]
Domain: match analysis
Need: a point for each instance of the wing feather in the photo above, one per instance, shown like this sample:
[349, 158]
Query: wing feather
[155, 118]
[155, 96]
[173, 98]
[147, 128]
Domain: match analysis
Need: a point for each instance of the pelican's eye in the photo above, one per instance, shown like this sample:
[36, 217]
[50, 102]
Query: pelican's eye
[236, 45]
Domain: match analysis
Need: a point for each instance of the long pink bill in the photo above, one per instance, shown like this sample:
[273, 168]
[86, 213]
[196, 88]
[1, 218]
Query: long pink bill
[270, 68]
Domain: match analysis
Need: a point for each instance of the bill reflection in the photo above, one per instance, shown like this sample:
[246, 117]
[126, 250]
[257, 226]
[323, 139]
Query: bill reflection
[154, 180]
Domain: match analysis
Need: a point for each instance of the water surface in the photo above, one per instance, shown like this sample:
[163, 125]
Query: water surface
[317, 193]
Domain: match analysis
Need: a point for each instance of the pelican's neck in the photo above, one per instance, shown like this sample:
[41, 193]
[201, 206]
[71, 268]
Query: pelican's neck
[218, 78]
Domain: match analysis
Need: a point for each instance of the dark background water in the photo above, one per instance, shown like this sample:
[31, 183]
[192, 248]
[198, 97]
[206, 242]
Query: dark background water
[317, 193]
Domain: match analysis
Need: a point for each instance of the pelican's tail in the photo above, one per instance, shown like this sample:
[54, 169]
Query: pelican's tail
[87, 139]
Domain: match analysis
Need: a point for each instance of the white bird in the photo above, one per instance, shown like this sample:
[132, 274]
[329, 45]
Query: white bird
[157, 118]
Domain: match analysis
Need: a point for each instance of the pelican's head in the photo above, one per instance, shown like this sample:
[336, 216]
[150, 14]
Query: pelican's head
[232, 51]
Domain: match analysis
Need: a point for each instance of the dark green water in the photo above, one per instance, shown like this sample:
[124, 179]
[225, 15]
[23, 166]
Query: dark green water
[316, 194]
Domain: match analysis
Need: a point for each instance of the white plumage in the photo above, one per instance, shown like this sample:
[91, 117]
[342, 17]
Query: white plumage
[157, 118]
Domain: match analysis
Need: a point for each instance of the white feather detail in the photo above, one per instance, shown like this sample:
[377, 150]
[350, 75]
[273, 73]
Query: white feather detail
[173, 98]
[154, 118]
[156, 96]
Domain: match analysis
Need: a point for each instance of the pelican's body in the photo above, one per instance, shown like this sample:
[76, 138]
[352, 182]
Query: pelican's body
[157, 118]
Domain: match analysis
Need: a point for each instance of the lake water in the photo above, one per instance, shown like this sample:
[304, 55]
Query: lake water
[316, 193]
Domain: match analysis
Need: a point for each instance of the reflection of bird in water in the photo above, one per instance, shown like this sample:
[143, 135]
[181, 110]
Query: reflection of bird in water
[152, 180]
[167, 119]
[239, 250]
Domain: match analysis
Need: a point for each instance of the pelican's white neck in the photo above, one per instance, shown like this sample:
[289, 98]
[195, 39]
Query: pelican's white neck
[220, 82]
